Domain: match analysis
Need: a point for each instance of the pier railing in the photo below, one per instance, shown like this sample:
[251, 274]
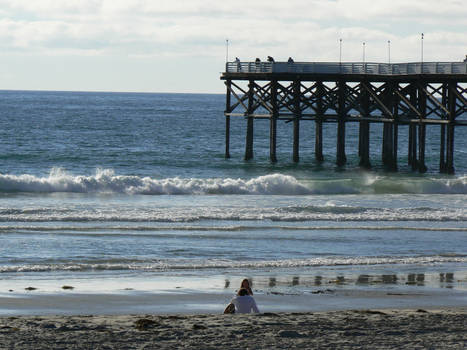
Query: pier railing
[348, 68]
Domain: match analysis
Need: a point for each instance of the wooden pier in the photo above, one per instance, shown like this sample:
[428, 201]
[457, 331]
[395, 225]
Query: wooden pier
[414, 94]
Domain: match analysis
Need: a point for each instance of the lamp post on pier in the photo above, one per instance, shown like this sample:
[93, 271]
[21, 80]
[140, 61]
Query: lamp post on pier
[363, 58]
[363, 52]
[422, 46]
[421, 68]
[340, 55]
[340, 51]
[226, 50]
[389, 51]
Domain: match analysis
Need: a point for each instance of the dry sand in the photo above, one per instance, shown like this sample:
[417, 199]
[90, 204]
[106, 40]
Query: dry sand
[352, 329]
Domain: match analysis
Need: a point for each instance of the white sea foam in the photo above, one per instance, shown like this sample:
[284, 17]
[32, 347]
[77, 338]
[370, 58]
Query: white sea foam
[200, 213]
[123, 230]
[190, 264]
[106, 181]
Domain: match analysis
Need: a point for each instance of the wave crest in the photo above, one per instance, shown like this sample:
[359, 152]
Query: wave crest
[167, 265]
[106, 181]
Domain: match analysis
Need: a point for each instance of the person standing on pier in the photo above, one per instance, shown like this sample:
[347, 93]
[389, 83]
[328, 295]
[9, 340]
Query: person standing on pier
[239, 66]
[257, 64]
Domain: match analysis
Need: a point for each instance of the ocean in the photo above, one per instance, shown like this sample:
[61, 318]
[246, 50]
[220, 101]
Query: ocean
[118, 192]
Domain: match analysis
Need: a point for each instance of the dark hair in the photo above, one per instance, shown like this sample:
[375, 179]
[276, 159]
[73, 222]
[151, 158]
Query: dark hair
[242, 292]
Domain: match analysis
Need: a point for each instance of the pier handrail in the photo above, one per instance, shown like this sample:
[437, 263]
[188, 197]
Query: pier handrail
[348, 68]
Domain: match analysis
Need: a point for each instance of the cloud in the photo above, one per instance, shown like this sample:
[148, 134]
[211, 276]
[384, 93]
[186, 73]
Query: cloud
[197, 27]
[178, 31]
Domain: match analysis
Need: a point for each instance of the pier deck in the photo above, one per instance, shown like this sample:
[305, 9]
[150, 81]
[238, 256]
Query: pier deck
[414, 94]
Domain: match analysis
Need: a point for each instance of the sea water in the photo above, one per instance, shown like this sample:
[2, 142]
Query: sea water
[109, 192]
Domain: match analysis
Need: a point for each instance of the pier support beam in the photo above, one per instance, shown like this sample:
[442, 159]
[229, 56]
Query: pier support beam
[390, 128]
[296, 121]
[413, 161]
[412, 149]
[422, 128]
[364, 131]
[228, 109]
[442, 148]
[364, 137]
[340, 156]
[450, 127]
[395, 126]
[250, 120]
[450, 149]
[319, 122]
[442, 136]
[395, 145]
[319, 141]
[387, 147]
[273, 123]
[296, 140]
[421, 148]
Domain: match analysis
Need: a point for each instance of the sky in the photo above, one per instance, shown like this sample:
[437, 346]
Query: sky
[181, 46]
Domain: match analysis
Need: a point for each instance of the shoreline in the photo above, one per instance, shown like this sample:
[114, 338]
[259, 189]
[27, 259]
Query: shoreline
[358, 329]
[192, 301]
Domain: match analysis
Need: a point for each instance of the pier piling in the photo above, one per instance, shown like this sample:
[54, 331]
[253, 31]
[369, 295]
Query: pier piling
[273, 123]
[413, 162]
[296, 120]
[250, 121]
[364, 132]
[341, 118]
[228, 83]
[319, 122]
[421, 127]
[452, 107]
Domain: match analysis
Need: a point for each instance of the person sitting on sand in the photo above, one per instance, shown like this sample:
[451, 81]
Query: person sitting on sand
[244, 303]
[246, 284]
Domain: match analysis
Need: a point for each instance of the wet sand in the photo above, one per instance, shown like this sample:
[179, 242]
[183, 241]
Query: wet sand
[188, 301]
[351, 329]
[328, 317]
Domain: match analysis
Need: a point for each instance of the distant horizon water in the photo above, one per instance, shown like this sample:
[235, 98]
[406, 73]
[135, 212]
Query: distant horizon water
[114, 91]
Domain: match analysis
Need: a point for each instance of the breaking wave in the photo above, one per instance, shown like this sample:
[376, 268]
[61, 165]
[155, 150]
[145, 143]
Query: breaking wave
[189, 264]
[106, 181]
[237, 214]
[161, 231]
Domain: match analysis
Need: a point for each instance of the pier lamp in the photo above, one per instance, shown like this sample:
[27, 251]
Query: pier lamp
[363, 52]
[421, 66]
[389, 51]
[340, 51]
[422, 46]
[226, 50]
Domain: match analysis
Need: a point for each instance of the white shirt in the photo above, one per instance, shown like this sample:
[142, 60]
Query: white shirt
[244, 304]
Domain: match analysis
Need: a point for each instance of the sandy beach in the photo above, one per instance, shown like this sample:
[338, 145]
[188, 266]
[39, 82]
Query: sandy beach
[351, 329]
